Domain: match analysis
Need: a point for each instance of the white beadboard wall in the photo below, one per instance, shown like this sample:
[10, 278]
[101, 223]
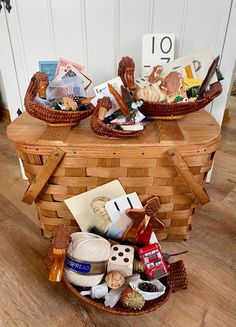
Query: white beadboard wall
[98, 33]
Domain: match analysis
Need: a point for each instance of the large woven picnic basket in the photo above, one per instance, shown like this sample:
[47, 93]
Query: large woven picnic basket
[170, 160]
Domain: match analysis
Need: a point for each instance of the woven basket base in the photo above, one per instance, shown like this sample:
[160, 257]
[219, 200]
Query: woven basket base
[165, 117]
[119, 309]
[113, 137]
[62, 124]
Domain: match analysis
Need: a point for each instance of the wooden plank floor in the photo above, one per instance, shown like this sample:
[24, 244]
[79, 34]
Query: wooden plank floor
[28, 299]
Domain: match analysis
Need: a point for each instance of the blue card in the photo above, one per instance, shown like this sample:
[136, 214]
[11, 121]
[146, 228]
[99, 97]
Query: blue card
[49, 68]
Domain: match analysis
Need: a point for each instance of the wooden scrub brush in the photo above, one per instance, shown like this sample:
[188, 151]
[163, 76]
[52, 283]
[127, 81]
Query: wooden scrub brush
[59, 245]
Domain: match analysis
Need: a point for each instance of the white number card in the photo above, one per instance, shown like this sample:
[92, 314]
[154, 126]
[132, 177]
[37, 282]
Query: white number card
[158, 49]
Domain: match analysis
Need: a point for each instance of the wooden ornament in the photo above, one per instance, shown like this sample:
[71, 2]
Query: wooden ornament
[42, 88]
[143, 218]
[155, 74]
[173, 82]
[119, 100]
[126, 72]
[104, 102]
[121, 259]
[161, 91]
[114, 279]
[148, 93]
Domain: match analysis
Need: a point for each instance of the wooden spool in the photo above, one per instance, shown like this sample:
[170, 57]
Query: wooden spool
[170, 160]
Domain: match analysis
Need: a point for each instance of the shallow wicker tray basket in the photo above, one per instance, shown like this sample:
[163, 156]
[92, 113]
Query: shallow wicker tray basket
[176, 280]
[51, 116]
[169, 111]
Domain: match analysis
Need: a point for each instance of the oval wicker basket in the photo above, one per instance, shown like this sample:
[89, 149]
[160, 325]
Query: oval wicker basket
[176, 279]
[51, 116]
[174, 111]
[103, 130]
[118, 308]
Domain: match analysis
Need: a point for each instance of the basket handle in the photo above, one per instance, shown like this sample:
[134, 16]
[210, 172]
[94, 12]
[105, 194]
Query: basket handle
[41, 179]
[181, 167]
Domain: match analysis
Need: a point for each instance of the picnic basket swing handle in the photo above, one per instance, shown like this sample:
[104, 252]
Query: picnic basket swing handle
[42, 177]
[181, 167]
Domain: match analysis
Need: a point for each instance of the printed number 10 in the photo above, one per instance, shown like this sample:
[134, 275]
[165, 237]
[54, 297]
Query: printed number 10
[166, 46]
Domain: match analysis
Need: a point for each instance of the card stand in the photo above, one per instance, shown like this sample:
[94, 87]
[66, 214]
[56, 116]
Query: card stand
[105, 131]
[178, 273]
[51, 116]
[175, 111]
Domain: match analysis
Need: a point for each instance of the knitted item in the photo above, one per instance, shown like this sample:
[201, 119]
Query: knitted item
[177, 277]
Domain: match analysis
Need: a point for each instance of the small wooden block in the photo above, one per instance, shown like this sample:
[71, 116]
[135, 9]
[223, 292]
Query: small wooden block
[121, 259]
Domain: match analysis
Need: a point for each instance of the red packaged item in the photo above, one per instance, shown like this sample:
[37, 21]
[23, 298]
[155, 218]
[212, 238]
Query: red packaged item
[153, 261]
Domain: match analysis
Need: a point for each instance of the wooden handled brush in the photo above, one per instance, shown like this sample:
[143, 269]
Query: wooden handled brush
[60, 243]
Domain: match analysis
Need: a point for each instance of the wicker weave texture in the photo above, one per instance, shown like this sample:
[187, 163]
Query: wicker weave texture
[152, 109]
[50, 115]
[103, 130]
[176, 280]
[146, 176]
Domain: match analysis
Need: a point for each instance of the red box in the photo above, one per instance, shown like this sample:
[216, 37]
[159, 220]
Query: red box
[153, 261]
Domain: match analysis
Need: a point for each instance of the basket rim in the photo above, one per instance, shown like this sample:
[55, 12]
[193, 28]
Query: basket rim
[164, 109]
[104, 131]
[48, 114]
[124, 312]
